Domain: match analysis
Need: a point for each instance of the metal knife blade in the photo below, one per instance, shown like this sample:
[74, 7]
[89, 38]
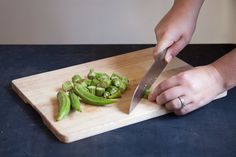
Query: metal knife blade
[149, 78]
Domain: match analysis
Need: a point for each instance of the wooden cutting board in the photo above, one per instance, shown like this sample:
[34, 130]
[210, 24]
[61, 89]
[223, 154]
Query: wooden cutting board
[40, 92]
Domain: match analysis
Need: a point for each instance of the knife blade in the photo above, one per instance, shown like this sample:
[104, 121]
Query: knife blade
[148, 79]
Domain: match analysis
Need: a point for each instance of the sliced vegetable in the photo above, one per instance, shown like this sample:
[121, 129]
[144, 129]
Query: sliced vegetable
[122, 87]
[104, 83]
[92, 89]
[112, 89]
[106, 94]
[66, 86]
[94, 82]
[146, 93]
[115, 76]
[90, 98]
[117, 94]
[99, 91]
[64, 105]
[88, 82]
[76, 79]
[91, 74]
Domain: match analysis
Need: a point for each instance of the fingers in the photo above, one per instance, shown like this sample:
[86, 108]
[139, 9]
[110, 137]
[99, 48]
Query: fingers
[174, 47]
[163, 86]
[163, 44]
[185, 110]
[169, 95]
[176, 103]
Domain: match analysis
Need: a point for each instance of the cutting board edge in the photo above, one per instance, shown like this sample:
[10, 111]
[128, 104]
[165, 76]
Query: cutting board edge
[74, 137]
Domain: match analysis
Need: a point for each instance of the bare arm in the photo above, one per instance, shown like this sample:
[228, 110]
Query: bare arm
[226, 66]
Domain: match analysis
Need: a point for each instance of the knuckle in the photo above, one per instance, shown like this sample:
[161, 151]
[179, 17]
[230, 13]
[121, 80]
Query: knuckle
[161, 87]
[165, 96]
[184, 77]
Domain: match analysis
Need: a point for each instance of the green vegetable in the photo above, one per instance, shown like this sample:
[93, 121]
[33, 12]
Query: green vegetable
[106, 94]
[146, 92]
[76, 79]
[102, 76]
[122, 87]
[75, 102]
[66, 86]
[100, 91]
[104, 83]
[117, 94]
[125, 80]
[94, 82]
[88, 82]
[112, 89]
[91, 74]
[64, 105]
[115, 76]
[90, 98]
[116, 82]
[92, 89]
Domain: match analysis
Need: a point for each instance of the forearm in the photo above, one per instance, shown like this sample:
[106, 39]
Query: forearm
[190, 7]
[226, 67]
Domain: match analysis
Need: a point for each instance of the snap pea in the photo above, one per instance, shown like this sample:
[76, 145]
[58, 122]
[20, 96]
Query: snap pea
[90, 98]
[75, 102]
[64, 105]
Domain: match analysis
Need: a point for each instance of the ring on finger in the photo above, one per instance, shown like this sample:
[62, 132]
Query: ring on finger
[182, 102]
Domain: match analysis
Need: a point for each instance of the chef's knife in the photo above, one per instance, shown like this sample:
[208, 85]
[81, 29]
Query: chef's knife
[149, 78]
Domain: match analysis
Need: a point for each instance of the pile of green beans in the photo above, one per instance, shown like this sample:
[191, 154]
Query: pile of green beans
[96, 88]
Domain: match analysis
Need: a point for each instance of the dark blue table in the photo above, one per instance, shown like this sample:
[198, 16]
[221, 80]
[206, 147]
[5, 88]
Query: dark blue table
[209, 131]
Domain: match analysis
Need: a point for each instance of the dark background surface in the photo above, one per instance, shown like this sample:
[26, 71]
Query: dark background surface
[209, 131]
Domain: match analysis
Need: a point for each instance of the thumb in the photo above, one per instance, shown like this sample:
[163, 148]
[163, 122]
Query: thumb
[163, 44]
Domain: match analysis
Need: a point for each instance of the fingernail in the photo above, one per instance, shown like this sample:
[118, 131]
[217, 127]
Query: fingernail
[168, 58]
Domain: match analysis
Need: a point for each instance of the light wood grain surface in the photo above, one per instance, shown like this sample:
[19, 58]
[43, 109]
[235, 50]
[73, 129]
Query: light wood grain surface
[40, 92]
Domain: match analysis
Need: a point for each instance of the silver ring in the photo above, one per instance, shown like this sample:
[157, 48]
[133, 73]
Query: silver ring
[181, 102]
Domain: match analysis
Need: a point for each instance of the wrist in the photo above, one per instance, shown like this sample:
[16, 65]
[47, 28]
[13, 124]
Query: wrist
[217, 77]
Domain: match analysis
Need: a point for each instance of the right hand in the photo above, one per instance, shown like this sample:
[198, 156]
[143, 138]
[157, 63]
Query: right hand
[174, 32]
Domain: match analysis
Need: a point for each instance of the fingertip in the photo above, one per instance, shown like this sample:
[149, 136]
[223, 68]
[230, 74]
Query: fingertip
[150, 97]
[168, 57]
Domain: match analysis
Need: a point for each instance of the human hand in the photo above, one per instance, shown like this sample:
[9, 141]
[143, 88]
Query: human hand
[175, 30]
[195, 87]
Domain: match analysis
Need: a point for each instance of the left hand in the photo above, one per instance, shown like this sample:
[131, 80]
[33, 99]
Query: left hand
[195, 88]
